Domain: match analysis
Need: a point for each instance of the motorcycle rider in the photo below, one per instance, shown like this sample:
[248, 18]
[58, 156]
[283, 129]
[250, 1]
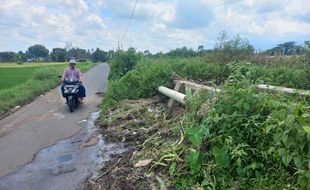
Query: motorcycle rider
[74, 74]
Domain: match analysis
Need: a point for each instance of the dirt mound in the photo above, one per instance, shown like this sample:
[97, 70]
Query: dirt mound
[132, 123]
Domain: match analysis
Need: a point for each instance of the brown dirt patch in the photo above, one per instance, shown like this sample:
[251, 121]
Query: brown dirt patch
[132, 123]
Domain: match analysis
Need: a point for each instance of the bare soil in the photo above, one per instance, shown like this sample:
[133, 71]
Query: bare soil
[132, 124]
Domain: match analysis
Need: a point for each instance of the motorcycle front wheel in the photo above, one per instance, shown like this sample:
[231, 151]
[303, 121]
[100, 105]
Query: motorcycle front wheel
[70, 103]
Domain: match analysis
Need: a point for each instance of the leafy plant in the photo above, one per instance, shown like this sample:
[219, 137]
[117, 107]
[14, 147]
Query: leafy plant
[244, 140]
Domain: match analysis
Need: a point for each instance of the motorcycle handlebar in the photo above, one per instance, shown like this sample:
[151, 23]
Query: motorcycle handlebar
[71, 82]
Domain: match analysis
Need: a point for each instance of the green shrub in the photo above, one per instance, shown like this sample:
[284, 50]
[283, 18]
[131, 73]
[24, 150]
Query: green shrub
[123, 61]
[148, 75]
[44, 73]
[255, 141]
[283, 76]
[245, 140]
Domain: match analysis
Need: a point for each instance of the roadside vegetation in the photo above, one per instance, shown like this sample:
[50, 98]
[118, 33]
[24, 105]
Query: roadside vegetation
[20, 85]
[238, 139]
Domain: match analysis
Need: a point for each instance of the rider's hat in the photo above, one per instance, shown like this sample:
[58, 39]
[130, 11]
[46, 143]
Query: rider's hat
[72, 61]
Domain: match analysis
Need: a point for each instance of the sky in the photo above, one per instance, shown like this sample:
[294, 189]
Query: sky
[157, 25]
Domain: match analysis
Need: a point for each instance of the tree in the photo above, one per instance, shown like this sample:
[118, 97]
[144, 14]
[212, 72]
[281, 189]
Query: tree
[59, 54]
[234, 49]
[147, 53]
[124, 61]
[37, 51]
[307, 44]
[99, 56]
[79, 54]
[287, 47]
[21, 56]
[8, 56]
[182, 52]
[200, 50]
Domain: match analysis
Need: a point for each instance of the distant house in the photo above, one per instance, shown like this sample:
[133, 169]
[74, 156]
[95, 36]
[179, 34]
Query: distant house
[31, 59]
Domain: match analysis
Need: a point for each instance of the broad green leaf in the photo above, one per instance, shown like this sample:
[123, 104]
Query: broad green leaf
[286, 159]
[216, 118]
[282, 114]
[239, 104]
[306, 115]
[172, 168]
[290, 119]
[239, 163]
[257, 174]
[248, 73]
[205, 183]
[161, 183]
[221, 156]
[298, 161]
[195, 161]
[307, 129]
[269, 127]
[246, 106]
[206, 131]
[195, 135]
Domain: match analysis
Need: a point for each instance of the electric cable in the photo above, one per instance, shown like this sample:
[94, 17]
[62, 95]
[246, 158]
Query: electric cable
[132, 13]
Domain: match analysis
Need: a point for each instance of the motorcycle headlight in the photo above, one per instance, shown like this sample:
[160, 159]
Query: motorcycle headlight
[68, 89]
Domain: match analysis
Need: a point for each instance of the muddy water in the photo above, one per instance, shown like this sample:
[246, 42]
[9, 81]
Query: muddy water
[66, 164]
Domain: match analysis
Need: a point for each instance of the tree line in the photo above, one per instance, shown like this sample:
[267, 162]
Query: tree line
[289, 48]
[226, 49]
[39, 53]
[234, 49]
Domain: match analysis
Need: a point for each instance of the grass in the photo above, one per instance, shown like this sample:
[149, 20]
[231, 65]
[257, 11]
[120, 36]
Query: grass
[19, 84]
[10, 65]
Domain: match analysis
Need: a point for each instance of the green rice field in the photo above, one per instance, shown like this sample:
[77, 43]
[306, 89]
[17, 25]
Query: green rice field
[19, 84]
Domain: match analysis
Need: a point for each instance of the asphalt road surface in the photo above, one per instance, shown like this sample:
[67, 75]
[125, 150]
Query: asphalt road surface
[46, 121]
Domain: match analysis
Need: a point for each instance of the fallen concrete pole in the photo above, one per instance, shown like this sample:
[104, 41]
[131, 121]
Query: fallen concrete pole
[177, 96]
[260, 87]
[283, 89]
[196, 86]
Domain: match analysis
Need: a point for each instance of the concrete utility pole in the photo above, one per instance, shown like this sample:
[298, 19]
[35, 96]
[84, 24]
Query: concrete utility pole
[117, 42]
[179, 97]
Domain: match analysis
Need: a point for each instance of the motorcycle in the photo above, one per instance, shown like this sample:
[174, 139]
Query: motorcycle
[71, 89]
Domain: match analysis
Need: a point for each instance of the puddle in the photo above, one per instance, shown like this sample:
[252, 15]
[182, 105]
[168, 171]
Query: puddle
[66, 164]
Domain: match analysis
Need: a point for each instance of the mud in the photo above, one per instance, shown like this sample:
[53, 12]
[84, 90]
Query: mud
[66, 164]
[132, 124]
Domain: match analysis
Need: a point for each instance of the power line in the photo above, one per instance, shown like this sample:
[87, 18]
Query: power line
[132, 13]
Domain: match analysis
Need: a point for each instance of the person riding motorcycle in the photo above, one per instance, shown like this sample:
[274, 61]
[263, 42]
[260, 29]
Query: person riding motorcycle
[73, 74]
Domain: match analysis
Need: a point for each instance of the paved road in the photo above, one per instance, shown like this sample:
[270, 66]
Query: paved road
[46, 121]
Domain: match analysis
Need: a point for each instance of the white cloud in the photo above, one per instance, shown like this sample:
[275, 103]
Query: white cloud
[156, 25]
